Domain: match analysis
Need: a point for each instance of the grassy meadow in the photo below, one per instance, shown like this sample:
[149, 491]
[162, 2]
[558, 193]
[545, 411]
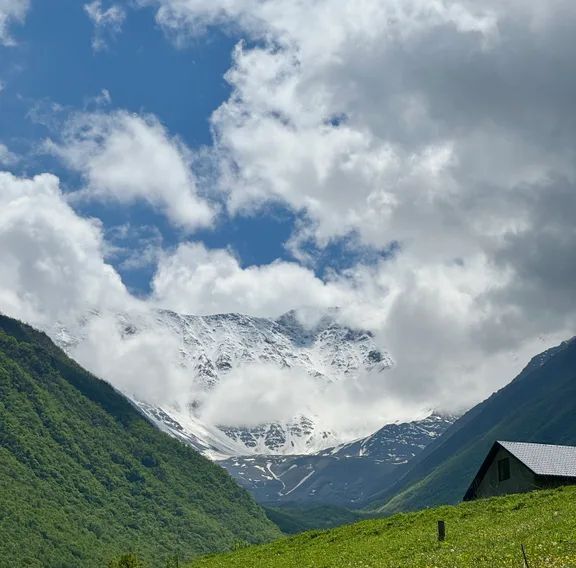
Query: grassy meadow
[481, 534]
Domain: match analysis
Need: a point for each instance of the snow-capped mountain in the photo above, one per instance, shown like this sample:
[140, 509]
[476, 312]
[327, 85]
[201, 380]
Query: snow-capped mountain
[208, 349]
[346, 475]
[296, 459]
[396, 443]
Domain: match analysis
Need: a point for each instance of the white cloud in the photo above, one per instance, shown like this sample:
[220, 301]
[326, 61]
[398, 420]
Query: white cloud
[398, 163]
[52, 259]
[199, 281]
[260, 394]
[54, 272]
[444, 125]
[125, 158]
[101, 100]
[447, 126]
[54, 276]
[107, 22]
[134, 247]
[392, 119]
[7, 158]
[11, 11]
[144, 365]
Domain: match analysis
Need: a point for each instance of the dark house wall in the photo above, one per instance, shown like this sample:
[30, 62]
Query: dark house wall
[546, 482]
[521, 478]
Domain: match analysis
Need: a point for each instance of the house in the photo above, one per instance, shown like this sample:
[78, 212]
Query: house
[516, 467]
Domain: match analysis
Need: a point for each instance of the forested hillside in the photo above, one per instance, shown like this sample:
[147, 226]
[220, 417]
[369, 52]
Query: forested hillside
[84, 477]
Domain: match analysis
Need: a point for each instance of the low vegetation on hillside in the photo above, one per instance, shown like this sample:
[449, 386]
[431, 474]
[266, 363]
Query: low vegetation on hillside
[480, 534]
[84, 477]
[295, 518]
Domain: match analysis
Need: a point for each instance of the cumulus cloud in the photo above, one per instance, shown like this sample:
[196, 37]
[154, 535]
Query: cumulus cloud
[447, 127]
[52, 259]
[11, 11]
[143, 365]
[54, 274]
[125, 158]
[258, 394]
[55, 277]
[393, 120]
[107, 22]
[196, 280]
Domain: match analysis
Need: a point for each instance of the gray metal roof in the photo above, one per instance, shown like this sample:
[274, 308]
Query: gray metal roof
[545, 459]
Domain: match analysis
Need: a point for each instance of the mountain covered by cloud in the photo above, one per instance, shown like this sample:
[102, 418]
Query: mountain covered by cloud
[432, 142]
[237, 385]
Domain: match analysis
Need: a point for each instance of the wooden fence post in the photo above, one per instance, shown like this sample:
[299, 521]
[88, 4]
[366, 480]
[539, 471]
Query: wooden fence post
[525, 556]
[441, 531]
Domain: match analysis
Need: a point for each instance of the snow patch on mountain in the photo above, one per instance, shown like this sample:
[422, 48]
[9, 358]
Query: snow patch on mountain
[346, 475]
[396, 443]
[207, 353]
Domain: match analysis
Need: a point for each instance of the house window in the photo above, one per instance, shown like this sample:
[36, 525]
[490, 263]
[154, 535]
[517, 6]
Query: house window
[504, 469]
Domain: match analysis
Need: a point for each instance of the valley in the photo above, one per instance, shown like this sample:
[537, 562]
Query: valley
[110, 450]
[279, 463]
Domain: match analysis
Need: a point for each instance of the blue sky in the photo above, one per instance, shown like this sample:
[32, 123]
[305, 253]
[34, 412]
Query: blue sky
[412, 162]
[54, 63]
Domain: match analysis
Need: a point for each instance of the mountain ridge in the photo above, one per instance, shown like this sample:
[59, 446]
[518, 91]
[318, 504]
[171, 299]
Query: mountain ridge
[346, 475]
[212, 347]
[539, 405]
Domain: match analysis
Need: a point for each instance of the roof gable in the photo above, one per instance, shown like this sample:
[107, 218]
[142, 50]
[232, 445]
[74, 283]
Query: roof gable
[541, 459]
[545, 459]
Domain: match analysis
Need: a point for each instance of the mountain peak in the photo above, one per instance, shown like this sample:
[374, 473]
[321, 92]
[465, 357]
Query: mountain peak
[210, 350]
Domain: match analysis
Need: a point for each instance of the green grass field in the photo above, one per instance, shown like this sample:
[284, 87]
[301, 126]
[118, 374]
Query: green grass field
[481, 534]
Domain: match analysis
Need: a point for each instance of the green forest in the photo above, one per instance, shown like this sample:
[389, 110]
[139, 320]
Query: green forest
[84, 478]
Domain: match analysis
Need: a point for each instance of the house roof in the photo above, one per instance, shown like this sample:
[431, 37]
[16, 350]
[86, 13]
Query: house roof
[542, 459]
[545, 459]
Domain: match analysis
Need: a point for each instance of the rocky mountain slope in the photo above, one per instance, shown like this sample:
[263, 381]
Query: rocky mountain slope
[396, 443]
[279, 462]
[84, 476]
[209, 348]
[347, 475]
[537, 406]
